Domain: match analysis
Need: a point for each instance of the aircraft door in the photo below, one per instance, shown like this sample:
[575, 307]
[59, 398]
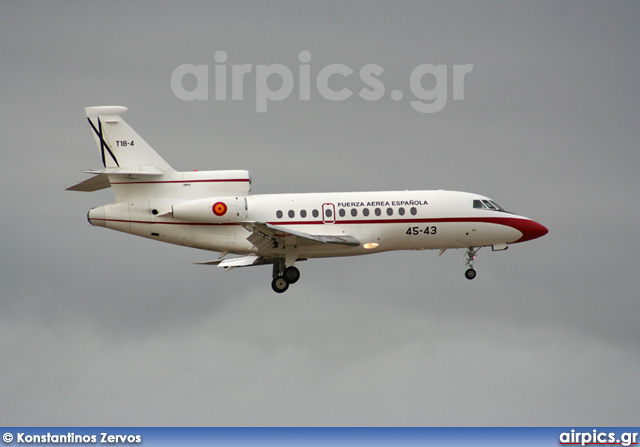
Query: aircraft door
[328, 213]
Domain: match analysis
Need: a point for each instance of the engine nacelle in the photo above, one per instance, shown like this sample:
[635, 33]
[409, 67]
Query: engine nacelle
[212, 210]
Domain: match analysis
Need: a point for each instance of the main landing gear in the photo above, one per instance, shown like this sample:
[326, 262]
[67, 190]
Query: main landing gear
[469, 257]
[283, 276]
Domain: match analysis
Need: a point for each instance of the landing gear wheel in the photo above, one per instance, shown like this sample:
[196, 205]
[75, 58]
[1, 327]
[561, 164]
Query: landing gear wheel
[468, 259]
[279, 285]
[291, 274]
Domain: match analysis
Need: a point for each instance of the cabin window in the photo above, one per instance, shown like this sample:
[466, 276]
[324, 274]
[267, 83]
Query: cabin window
[365, 212]
[315, 213]
[342, 212]
[303, 213]
[401, 211]
[328, 212]
[378, 211]
[292, 214]
[354, 212]
[279, 214]
[389, 211]
[413, 211]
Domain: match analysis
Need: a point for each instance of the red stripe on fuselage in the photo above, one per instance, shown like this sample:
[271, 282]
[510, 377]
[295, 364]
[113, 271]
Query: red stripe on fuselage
[146, 222]
[529, 229]
[493, 220]
[184, 181]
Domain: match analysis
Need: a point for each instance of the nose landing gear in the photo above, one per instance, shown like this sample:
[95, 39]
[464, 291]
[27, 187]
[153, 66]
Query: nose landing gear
[470, 273]
[468, 258]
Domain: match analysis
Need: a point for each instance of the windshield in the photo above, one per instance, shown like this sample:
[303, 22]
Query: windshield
[484, 204]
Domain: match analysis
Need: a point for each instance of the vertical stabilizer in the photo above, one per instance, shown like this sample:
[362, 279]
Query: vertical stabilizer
[121, 148]
[136, 173]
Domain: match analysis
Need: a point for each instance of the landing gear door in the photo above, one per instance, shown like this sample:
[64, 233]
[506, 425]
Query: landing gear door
[328, 213]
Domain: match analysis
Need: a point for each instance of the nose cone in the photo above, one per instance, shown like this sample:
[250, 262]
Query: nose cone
[530, 229]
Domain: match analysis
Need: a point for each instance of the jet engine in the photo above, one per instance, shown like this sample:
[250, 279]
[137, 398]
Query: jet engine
[212, 210]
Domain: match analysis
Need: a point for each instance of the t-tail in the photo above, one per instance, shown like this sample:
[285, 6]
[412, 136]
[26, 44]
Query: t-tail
[136, 172]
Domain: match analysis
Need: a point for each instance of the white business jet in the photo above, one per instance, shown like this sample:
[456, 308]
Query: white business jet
[213, 210]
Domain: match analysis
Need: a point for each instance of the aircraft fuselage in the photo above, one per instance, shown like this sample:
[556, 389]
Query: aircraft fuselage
[386, 220]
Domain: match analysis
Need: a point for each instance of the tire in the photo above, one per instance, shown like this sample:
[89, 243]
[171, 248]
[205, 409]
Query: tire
[470, 274]
[279, 285]
[291, 275]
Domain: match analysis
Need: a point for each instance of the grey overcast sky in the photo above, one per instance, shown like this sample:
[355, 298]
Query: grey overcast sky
[102, 328]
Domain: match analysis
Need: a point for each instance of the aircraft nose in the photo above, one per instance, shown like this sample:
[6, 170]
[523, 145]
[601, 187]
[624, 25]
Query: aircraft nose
[530, 229]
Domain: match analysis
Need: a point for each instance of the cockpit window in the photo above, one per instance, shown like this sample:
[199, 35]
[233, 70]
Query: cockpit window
[487, 205]
[498, 207]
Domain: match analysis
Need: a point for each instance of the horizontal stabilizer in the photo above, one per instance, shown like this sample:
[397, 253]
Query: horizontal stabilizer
[135, 170]
[95, 183]
[101, 178]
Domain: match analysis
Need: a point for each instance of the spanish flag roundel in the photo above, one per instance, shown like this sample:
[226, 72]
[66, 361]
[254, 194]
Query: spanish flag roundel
[219, 208]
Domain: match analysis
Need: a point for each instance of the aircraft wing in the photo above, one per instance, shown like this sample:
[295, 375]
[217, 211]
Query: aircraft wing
[265, 235]
[241, 261]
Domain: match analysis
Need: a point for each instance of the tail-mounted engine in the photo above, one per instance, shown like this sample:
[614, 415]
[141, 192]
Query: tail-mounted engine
[212, 210]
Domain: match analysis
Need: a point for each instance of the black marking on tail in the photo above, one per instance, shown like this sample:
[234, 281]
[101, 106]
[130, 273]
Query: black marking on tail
[103, 144]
